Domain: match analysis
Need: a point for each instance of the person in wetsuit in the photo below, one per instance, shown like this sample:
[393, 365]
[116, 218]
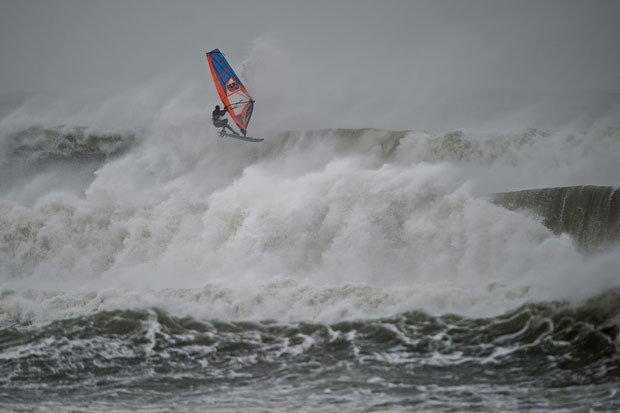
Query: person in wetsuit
[218, 122]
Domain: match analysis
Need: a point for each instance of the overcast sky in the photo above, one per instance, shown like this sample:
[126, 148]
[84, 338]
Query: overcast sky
[400, 47]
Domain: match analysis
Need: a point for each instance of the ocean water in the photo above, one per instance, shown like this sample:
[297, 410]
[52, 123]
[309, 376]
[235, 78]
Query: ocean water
[148, 265]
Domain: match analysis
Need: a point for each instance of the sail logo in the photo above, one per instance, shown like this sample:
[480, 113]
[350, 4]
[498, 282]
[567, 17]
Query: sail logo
[232, 86]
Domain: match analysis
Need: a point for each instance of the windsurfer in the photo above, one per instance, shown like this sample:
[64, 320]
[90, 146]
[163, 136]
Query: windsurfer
[218, 122]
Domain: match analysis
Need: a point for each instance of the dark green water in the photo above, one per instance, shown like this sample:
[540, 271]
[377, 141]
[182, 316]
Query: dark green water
[547, 357]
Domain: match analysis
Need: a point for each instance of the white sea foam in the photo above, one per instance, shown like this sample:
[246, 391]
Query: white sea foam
[304, 226]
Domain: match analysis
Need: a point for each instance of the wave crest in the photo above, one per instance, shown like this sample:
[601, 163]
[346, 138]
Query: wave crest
[65, 142]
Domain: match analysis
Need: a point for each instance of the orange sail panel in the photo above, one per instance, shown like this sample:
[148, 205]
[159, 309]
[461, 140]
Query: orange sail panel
[232, 92]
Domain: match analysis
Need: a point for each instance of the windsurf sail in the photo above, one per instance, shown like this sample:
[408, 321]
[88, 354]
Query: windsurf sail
[232, 92]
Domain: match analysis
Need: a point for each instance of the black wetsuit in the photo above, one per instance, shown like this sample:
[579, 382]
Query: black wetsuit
[222, 123]
[217, 122]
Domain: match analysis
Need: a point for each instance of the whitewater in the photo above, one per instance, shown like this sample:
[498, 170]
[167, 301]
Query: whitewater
[147, 264]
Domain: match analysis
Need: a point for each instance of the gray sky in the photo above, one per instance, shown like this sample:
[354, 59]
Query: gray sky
[430, 49]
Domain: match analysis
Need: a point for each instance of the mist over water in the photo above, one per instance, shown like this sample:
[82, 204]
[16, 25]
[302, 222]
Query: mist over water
[309, 225]
[131, 231]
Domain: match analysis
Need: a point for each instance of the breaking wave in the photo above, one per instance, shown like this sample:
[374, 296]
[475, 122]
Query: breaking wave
[159, 262]
[61, 142]
[313, 225]
[590, 214]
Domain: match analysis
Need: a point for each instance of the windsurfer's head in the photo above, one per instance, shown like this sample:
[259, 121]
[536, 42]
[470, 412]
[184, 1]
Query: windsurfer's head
[217, 107]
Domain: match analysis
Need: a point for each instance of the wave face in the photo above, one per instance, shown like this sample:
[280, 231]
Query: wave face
[155, 264]
[591, 214]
